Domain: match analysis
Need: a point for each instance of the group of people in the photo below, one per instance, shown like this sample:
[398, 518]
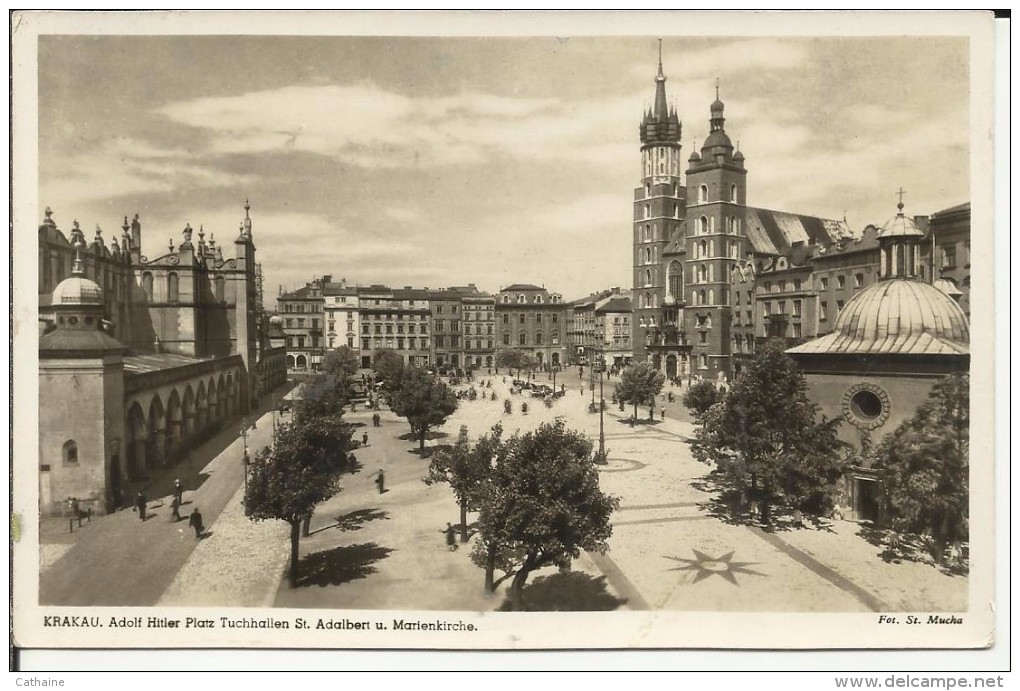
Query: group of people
[194, 520]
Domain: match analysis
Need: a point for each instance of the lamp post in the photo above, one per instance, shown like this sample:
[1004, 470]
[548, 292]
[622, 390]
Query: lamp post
[244, 456]
[601, 457]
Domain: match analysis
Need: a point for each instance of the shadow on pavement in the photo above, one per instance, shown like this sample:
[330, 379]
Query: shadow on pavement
[572, 591]
[900, 547]
[735, 506]
[340, 565]
[429, 436]
[355, 519]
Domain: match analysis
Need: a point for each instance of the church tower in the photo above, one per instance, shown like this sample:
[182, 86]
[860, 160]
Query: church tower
[715, 241]
[658, 215]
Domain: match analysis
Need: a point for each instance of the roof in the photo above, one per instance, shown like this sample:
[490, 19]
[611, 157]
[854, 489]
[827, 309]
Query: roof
[78, 340]
[153, 362]
[900, 226]
[775, 232]
[77, 290]
[614, 303]
[523, 286]
[410, 294]
[896, 317]
[301, 294]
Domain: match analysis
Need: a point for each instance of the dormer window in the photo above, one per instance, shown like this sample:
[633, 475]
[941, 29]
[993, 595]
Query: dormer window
[520, 298]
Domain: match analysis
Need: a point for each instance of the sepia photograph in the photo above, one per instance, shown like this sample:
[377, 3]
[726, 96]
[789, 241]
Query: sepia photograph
[356, 332]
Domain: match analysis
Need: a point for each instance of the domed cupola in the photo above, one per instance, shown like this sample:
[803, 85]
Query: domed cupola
[718, 142]
[78, 306]
[900, 314]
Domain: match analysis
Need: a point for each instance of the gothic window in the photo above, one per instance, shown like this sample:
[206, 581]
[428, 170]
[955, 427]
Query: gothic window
[702, 226]
[172, 287]
[70, 452]
[703, 193]
[733, 193]
[711, 297]
[648, 210]
[648, 189]
[147, 285]
[711, 248]
[676, 210]
[676, 280]
[648, 255]
[648, 232]
[703, 361]
[648, 299]
[701, 298]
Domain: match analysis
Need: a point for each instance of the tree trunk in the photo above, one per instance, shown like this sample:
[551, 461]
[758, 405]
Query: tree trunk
[635, 410]
[421, 441]
[490, 570]
[463, 522]
[651, 411]
[306, 525]
[295, 536]
[517, 590]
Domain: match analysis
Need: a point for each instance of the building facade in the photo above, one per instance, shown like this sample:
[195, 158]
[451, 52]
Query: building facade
[479, 324]
[888, 347]
[613, 329]
[302, 312]
[134, 375]
[531, 319]
[446, 314]
[396, 319]
[340, 315]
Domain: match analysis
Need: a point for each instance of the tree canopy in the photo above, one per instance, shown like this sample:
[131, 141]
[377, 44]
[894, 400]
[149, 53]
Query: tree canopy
[765, 437]
[542, 503]
[342, 363]
[639, 384]
[465, 467]
[390, 367]
[700, 396]
[300, 470]
[514, 359]
[324, 395]
[424, 401]
[925, 465]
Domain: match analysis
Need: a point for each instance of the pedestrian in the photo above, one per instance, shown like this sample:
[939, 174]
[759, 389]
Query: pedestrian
[663, 413]
[364, 438]
[380, 481]
[451, 537]
[195, 521]
[582, 390]
[175, 509]
[179, 491]
[140, 504]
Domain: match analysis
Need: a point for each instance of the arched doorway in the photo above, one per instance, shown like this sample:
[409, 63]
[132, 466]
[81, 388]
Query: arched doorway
[657, 362]
[290, 362]
[174, 424]
[157, 432]
[556, 358]
[671, 369]
[137, 441]
[188, 414]
[201, 408]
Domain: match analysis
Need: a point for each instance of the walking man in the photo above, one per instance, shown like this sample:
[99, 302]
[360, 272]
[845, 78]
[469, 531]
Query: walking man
[196, 522]
[175, 509]
[178, 491]
[380, 481]
[663, 413]
[451, 537]
[140, 504]
[364, 438]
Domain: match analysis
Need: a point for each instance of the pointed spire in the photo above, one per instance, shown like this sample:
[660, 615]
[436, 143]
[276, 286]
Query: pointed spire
[717, 88]
[660, 110]
[660, 76]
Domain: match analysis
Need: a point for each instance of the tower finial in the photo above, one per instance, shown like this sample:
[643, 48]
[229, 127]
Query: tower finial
[661, 76]
[899, 206]
[77, 269]
[717, 88]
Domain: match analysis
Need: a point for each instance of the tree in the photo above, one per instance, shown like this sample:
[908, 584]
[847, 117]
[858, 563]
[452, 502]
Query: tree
[514, 359]
[341, 363]
[324, 395]
[701, 396]
[425, 401]
[302, 469]
[542, 504]
[465, 467]
[924, 466]
[765, 437]
[390, 367]
[639, 384]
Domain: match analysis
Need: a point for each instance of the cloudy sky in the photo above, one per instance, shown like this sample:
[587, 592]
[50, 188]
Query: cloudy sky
[442, 161]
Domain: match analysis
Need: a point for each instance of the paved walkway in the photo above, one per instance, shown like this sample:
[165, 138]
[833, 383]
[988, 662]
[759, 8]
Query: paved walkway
[120, 560]
[387, 551]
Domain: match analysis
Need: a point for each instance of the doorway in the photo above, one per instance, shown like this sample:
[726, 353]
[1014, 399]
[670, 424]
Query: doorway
[867, 500]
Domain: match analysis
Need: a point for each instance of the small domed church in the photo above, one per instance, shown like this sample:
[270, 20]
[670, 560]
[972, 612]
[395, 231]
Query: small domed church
[890, 344]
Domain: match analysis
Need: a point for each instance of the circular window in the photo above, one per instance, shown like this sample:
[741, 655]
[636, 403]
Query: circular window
[88, 321]
[73, 321]
[866, 406]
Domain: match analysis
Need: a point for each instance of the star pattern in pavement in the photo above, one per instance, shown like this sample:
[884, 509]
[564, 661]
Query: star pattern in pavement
[705, 566]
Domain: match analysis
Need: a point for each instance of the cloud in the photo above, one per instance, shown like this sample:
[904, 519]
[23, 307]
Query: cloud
[368, 126]
[119, 167]
[726, 58]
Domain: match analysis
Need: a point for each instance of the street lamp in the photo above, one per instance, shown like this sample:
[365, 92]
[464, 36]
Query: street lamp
[600, 458]
[244, 456]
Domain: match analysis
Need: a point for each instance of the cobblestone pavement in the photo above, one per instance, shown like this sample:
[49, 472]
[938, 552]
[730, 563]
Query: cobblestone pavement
[119, 559]
[387, 551]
